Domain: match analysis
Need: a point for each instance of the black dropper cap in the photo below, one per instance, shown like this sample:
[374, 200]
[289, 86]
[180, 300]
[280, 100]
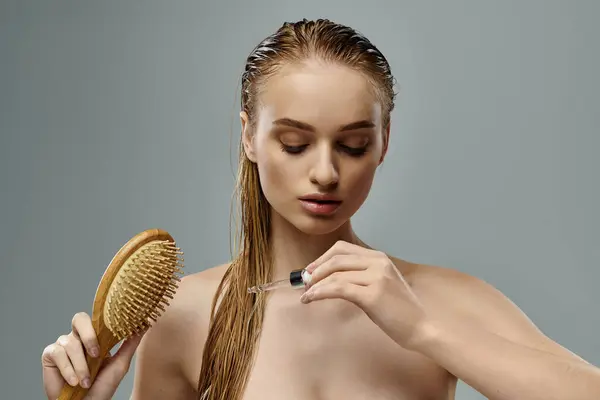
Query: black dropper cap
[296, 278]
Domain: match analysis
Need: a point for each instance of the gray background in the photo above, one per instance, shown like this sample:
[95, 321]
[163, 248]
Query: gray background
[118, 116]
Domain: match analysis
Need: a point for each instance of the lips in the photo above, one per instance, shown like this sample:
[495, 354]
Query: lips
[320, 204]
[322, 201]
[321, 198]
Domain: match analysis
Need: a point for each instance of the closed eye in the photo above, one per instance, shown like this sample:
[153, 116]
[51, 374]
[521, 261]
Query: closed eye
[354, 151]
[293, 149]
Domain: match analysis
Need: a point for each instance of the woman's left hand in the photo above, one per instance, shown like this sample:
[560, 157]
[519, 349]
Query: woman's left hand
[369, 279]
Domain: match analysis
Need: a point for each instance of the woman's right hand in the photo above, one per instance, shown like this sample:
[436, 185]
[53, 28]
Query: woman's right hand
[64, 361]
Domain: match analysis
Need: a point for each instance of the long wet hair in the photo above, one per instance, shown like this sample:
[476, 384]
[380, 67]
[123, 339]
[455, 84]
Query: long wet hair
[236, 316]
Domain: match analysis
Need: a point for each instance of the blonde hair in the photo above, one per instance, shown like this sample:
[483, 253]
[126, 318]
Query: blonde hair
[236, 316]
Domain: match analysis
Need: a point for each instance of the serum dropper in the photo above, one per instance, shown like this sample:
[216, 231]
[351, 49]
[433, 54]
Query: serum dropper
[298, 279]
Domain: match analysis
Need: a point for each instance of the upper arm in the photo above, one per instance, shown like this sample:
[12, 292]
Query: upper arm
[157, 369]
[492, 310]
[160, 366]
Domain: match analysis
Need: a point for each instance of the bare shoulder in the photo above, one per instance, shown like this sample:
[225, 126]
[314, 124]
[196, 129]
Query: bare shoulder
[169, 356]
[468, 295]
[447, 291]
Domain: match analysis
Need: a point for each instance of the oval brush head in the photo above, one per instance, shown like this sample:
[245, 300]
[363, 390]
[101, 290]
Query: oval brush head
[131, 295]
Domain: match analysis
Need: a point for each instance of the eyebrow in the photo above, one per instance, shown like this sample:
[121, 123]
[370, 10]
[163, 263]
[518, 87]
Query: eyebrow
[307, 127]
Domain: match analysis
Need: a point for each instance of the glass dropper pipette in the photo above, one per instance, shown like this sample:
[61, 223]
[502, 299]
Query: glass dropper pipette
[298, 279]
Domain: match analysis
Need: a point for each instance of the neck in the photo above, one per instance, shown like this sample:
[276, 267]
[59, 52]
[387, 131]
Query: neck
[293, 249]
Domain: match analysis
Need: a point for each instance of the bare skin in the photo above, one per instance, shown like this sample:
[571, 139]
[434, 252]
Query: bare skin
[318, 351]
[329, 350]
[376, 326]
[332, 351]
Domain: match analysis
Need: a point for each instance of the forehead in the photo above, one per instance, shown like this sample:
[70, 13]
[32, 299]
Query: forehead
[322, 94]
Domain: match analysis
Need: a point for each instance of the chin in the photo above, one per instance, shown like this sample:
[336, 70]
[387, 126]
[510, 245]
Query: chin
[313, 225]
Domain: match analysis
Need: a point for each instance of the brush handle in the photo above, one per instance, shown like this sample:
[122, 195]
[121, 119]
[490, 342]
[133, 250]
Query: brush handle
[106, 342]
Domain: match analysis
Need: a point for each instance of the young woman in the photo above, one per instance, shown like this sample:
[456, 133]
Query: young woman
[315, 115]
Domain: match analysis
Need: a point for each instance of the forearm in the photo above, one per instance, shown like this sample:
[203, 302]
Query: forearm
[501, 369]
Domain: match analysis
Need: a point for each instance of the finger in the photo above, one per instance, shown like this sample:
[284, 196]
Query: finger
[84, 331]
[76, 354]
[51, 375]
[339, 248]
[55, 358]
[114, 369]
[128, 348]
[360, 278]
[124, 352]
[335, 290]
[339, 263]
[121, 360]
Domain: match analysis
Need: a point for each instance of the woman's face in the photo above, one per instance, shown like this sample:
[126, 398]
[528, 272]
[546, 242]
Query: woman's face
[318, 132]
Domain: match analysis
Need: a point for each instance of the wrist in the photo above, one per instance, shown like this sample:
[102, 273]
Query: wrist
[427, 333]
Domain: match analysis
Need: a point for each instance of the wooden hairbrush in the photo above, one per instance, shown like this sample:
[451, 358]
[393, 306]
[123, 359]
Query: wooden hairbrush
[131, 294]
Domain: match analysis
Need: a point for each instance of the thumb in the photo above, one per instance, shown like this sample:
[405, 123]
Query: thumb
[114, 369]
[124, 353]
[128, 347]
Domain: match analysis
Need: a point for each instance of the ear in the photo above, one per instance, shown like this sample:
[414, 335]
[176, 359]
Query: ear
[386, 141]
[247, 137]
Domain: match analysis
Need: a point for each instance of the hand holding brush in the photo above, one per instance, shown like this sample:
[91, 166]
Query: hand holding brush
[132, 293]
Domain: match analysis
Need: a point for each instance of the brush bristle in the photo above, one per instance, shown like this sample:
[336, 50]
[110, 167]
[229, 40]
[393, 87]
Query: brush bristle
[140, 291]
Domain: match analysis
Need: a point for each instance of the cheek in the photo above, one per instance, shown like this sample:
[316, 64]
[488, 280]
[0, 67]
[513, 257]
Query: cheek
[277, 173]
[359, 180]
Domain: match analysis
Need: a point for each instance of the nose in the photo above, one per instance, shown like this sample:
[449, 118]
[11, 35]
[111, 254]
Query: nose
[324, 171]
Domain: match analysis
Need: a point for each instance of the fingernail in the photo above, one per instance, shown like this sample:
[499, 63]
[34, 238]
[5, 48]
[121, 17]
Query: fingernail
[85, 383]
[306, 296]
[94, 352]
[306, 277]
[73, 381]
